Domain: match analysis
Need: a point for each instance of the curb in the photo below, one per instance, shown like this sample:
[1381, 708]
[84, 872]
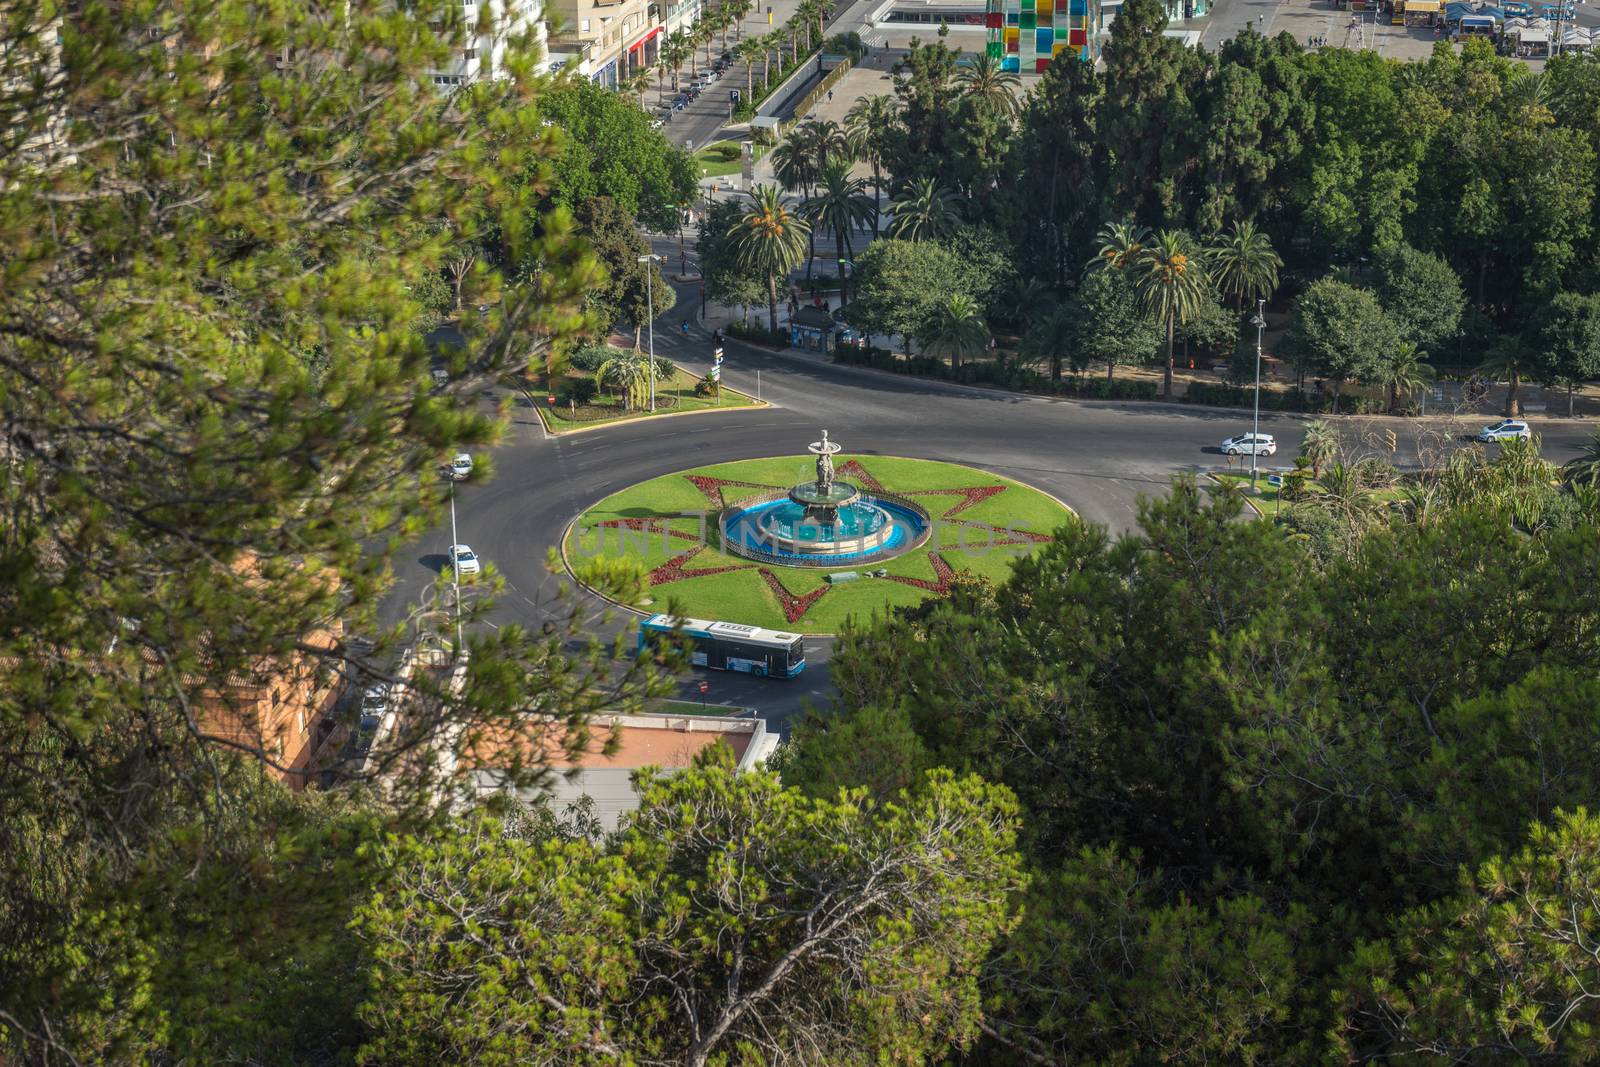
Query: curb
[549, 431]
[566, 531]
[1149, 405]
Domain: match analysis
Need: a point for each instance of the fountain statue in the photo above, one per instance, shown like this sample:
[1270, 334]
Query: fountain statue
[824, 450]
[823, 522]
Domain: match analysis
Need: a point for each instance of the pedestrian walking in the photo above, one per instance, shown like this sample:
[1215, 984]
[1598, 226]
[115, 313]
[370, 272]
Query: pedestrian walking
[830, 96]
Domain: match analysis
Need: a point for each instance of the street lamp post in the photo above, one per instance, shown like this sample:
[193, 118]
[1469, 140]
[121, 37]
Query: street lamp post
[455, 565]
[1260, 323]
[650, 260]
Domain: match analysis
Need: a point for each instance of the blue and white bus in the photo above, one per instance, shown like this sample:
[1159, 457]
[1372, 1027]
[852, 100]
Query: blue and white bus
[731, 646]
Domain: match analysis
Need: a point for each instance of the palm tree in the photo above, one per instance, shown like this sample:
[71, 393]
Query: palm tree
[705, 31]
[1050, 337]
[629, 372]
[1585, 468]
[1508, 358]
[988, 82]
[957, 330]
[771, 42]
[1120, 244]
[771, 239]
[745, 52]
[1404, 373]
[925, 213]
[1172, 285]
[638, 83]
[675, 53]
[1340, 490]
[1319, 445]
[823, 138]
[869, 121]
[1030, 296]
[839, 203]
[1243, 264]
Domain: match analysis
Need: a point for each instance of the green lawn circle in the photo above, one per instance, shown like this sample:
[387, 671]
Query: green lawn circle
[982, 521]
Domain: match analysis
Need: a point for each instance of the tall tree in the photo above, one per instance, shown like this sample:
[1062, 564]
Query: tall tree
[1338, 331]
[840, 203]
[211, 512]
[899, 285]
[991, 85]
[771, 239]
[1057, 161]
[1149, 81]
[872, 121]
[1422, 295]
[956, 329]
[1110, 324]
[1243, 264]
[631, 290]
[924, 211]
[1171, 281]
[730, 917]
[1567, 352]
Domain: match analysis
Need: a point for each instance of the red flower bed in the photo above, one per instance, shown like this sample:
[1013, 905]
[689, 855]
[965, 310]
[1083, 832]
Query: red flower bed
[793, 606]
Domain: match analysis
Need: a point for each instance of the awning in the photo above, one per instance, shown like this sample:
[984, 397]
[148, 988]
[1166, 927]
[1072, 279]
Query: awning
[1419, 7]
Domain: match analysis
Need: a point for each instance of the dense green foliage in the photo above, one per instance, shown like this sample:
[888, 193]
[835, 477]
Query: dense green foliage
[1247, 771]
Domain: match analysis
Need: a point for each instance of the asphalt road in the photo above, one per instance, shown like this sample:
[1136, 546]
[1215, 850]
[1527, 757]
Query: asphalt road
[1098, 457]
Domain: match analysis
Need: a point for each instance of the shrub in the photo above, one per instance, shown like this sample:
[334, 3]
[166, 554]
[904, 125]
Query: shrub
[759, 334]
[577, 391]
[707, 387]
[587, 358]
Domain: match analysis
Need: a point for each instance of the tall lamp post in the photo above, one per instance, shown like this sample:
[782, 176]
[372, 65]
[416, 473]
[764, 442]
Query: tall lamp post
[1260, 323]
[650, 260]
[455, 565]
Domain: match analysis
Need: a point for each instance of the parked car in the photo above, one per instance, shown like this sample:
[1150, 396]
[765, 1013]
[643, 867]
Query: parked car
[679, 103]
[441, 377]
[1260, 444]
[464, 560]
[656, 123]
[1505, 430]
[461, 467]
[1514, 9]
[375, 701]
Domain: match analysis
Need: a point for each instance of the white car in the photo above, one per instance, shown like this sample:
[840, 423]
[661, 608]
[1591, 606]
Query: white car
[1506, 430]
[374, 702]
[464, 560]
[441, 377]
[1260, 444]
[461, 467]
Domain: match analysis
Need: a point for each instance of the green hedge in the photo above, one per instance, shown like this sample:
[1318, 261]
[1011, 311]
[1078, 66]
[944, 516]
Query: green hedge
[994, 372]
[1238, 396]
[759, 334]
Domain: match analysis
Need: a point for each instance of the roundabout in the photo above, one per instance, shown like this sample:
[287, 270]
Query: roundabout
[753, 542]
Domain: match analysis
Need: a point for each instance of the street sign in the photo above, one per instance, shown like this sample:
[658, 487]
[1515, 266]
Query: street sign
[704, 687]
[1390, 440]
[733, 95]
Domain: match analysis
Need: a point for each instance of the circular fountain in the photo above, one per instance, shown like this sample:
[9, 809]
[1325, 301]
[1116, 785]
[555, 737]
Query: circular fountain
[823, 523]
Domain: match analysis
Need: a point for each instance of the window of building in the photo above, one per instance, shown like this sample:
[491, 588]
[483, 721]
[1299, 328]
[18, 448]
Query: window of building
[585, 25]
[471, 53]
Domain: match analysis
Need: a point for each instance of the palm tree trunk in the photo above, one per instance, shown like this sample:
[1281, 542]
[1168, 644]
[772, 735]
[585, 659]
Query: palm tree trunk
[1513, 383]
[772, 303]
[1166, 378]
[838, 263]
[1111, 369]
[1571, 388]
[750, 81]
[877, 196]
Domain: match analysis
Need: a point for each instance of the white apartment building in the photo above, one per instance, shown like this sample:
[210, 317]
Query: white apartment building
[484, 54]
